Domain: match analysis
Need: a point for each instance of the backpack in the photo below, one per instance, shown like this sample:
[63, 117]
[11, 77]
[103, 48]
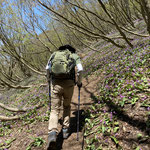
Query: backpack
[62, 64]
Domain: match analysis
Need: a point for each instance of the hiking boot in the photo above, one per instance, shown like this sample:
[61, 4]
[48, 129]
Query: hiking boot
[52, 136]
[65, 132]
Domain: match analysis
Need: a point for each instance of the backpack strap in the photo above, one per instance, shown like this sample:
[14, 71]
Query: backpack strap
[52, 57]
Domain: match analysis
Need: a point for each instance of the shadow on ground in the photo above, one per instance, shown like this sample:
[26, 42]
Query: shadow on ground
[120, 113]
[123, 116]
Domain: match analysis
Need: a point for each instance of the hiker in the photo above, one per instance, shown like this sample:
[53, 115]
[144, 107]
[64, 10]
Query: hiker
[62, 87]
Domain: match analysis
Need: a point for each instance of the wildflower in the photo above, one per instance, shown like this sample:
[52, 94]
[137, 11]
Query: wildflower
[111, 116]
[114, 112]
[116, 134]
[107, 87]
[121, 96]
[106, 141]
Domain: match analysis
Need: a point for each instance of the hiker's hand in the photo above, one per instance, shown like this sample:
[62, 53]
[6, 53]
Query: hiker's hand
[79, 85]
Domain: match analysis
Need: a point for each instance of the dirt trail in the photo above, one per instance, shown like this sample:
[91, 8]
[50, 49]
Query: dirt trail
[89, 87]
[23, 134]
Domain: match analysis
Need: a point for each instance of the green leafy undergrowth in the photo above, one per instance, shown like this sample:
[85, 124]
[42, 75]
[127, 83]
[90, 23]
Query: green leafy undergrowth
[125, 86]
[27, 99]
[37, 142]
[7, 144]
[5, 129]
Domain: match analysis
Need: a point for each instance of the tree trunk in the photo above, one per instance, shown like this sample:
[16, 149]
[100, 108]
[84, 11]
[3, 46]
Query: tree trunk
[146, 12]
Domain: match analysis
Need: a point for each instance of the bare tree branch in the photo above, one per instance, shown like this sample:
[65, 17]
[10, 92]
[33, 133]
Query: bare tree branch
[118, 28]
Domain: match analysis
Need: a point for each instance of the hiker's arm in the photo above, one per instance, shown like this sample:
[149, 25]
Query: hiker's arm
[48, 76]
[48, 72]
[48, 68]
[79, 71]
[79, 74]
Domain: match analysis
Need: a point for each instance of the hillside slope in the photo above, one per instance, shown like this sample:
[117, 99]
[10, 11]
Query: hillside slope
[115, 104]
[120, 116]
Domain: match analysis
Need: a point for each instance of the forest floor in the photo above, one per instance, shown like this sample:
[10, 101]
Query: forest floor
[28, 136]
[22, 136]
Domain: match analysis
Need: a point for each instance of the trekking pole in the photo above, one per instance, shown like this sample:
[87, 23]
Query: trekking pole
[83, 138]
[49, 89]
[78, 113]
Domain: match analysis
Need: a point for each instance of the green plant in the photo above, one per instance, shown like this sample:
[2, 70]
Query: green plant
[37, 142]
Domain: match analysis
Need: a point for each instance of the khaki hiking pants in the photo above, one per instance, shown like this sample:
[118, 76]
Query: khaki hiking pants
[61, 92]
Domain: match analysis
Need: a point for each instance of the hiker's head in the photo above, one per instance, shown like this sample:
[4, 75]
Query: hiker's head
[70, 48]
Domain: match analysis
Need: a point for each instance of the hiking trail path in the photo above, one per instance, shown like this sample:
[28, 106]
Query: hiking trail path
[89, 87]
[24, 134]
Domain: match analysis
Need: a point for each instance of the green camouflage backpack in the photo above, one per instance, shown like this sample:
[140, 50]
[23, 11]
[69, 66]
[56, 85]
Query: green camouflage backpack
[62, 64]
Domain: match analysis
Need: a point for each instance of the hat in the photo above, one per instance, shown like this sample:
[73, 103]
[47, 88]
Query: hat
[69, 47]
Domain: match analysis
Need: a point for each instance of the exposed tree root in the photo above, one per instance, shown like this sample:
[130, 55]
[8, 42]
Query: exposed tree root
[19, 110]
[43, 85]
[13, 109]
[5, 118]
[17, 117]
